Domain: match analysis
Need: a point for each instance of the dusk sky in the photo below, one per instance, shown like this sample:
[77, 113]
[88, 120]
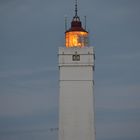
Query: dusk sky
[31, 31]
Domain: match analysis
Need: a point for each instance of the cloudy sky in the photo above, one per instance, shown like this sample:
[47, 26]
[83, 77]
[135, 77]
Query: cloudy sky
[31, 32]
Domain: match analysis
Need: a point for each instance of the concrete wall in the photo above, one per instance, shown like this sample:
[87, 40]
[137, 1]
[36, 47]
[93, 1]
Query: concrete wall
[76, 103]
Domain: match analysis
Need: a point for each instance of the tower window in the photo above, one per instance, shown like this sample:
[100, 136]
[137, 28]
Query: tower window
[76, 57]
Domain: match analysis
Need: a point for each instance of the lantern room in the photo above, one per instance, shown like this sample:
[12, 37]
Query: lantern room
[76, 36]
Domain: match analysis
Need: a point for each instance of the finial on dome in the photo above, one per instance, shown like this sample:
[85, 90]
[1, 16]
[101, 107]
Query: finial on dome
[76, 17]
[76, 9]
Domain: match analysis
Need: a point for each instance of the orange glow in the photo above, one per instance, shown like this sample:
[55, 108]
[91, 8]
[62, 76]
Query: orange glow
[76, 39]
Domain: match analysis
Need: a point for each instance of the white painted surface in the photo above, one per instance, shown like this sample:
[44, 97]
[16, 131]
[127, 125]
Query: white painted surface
[76, 104]
[86, 56]
[76, 73]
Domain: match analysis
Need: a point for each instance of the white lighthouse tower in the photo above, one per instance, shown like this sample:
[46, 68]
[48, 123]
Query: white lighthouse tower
[76, 100]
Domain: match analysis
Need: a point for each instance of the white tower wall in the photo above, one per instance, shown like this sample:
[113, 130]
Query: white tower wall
[76, 103]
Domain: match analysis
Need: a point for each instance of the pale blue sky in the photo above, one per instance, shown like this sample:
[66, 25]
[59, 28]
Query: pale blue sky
[31, 32]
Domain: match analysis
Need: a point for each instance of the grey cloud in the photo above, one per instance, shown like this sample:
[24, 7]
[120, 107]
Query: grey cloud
[24, 72]
[32, 31]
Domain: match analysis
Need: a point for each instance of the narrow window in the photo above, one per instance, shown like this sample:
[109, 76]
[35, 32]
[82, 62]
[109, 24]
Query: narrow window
[76, 57]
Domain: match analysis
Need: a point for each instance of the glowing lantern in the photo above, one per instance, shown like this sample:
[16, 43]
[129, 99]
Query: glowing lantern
[76, 36]
[76, 39]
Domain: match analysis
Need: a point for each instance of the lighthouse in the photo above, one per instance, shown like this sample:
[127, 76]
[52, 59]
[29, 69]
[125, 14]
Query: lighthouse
[76, 96]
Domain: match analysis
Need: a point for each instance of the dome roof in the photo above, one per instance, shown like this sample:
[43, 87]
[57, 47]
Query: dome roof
[76, 24]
